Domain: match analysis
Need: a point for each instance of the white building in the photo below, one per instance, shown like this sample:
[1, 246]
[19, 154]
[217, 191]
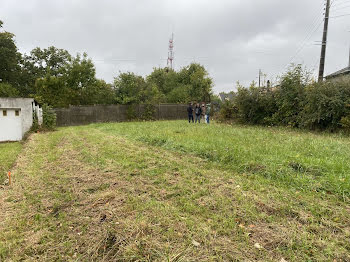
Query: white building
[17, 116]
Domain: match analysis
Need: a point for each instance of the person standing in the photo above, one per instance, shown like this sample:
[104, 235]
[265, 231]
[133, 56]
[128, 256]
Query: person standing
[203, 111]
[198, 112]
[190, 113]
[207, 114]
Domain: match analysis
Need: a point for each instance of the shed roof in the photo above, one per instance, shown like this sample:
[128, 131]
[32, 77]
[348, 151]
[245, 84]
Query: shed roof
[341, 72]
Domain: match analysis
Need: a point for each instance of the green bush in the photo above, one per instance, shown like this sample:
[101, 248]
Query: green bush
[6, 90]
[149, 112]
[326, 104]
[295, 102]
[131, 112]
[49, 118]
[227, 111]
[35, 127]
[255, 105]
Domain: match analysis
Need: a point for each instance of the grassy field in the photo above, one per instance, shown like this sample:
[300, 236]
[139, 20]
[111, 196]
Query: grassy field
[170, 191]
[8, 155]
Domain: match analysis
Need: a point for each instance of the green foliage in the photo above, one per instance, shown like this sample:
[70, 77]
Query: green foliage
[49, 61]
[295, 102]
[8, 156]
[152, 95]
[227, 111]
[35, 126]
[149, 111]
[290, 96]
[164, 79]
[196, 78]
[128, 88]
[9, 57]
[49, 117]
[53, 91]
[6, 90]
[180, 94]
[254, 105]
[325, 105]
[191, 83]
[131, 112]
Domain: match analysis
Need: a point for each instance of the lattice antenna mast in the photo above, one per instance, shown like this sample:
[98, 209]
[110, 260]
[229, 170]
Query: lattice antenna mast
[171, 52]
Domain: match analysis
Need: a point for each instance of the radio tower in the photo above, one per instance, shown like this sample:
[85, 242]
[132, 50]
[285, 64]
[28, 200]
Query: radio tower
[171, 52]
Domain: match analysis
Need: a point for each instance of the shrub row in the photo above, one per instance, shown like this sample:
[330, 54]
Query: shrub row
[297, 101]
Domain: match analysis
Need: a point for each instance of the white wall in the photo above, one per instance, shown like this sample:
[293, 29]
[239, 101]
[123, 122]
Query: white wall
[26, 105]
[10, 125]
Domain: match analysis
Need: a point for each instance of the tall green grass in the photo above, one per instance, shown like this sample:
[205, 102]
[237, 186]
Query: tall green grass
[296, 159]
[8, 155]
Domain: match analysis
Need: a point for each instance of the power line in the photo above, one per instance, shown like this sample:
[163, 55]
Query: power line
[311, 30]
[339, 16]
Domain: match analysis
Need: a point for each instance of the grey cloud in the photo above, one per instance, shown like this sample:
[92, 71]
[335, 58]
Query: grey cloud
[232, 38]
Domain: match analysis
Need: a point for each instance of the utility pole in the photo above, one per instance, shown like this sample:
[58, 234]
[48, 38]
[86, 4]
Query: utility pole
[259, 77]
[348, 64]
[324, 43]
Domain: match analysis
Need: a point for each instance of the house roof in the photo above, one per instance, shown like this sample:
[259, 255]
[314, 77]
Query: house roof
[341, 72]
[226, 96]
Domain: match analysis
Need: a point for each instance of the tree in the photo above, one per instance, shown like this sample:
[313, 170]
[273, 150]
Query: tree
[6, 90]
[53, 91]
[103, 93]
[152, 95]
[9, 57]
[165, 79]
[198, 78]
[290, 96]
[180, 94]
[49, 61]
[80, 78]
[326, 105]
[39, 64]
[129, 88]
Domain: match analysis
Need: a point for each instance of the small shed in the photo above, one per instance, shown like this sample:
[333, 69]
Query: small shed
[17, 117]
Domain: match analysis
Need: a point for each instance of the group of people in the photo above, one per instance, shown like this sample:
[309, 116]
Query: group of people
[200, 111]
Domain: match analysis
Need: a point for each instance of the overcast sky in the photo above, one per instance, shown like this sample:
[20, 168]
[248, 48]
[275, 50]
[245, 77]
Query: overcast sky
[231, 38]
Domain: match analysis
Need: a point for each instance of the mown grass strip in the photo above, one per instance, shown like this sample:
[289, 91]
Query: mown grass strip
[85, 194]
[8, 156]
[301, 160]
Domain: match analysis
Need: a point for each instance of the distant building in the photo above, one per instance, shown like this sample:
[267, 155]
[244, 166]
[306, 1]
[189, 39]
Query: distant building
[226, 96]
[17, 117]
[341, 73]
[345, 72]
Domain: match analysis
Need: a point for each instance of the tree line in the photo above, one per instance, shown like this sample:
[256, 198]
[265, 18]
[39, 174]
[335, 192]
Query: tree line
[297, 101]
[53, 76]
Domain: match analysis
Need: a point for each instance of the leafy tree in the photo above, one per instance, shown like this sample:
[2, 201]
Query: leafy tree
[53, 91]
[9, 57]
[290, 96]
[180, 94]
[6, 90]
[49, 117]
[129, 88]
[326, 105]
[165, 79]
[48, 61]
[41, 63]
[197, 77]
[152, 95]
[101, 93]
[80, 77]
